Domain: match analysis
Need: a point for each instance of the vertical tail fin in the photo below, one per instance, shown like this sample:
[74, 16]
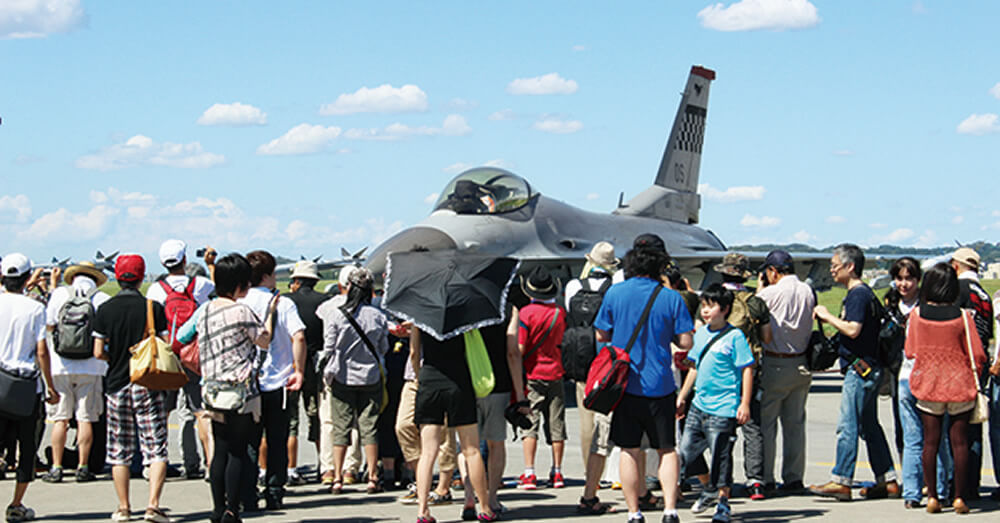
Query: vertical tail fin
[674, 195]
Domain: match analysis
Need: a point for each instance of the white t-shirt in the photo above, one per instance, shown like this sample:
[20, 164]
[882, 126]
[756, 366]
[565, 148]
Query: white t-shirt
[279, 364]
[22, 326]
[593, 283]
[61, 366]
[202, 288]
[907, 367]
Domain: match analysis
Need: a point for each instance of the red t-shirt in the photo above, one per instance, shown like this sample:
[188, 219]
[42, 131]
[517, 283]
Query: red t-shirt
[545, 363]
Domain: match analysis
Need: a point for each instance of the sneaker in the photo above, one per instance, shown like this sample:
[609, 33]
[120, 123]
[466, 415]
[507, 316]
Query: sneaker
[793, 487]
[487, 518]
[640, 519]
[832, 490]
[155, 515]
[703, 503]
[20, 513]
[121, 515]
[673, 518]
[722, 513]
[193, 473]
[529, 482]
[84, 475]
[410, 498]
[295, 479]
[54, 475]
[469, 514]
[440, 499]
[756, 491]
[556, 480]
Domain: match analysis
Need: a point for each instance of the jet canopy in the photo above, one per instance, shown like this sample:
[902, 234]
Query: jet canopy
[485, 190]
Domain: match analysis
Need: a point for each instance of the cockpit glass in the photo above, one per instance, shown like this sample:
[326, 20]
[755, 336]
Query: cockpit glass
[484, 190]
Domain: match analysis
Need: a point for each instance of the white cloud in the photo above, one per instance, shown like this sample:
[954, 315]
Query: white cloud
[836, 219]
[461, 104]
[957, 220]
[995, 214]
[550, 83]
[762, 222]
[579, 48]
[593, 196]
[927, 239]
[995, 90]
[382, 99]
[458, 167]
[236, 114]
[141, 150]
[27, 159]
[918, 8]
[802, 237]
[39, 18]
[296, 229]
[843, 152]
[554, 125]
[503, 114]
[979, 124]
[878, 225]
[431, 198]
[453, 125]
[63, 224]
[751, 15]
[732, 194]
[116, 196]
[301, 139]
[896, 236]
[19, 205]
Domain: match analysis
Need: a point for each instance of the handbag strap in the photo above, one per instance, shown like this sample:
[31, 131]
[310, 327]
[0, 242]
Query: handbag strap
[544, 336]
[968, 343]
[644, 317]
[361, 334]
[717, 337]
[150, 323]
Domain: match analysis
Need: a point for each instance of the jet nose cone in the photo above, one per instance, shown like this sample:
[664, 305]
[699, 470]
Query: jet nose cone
[414, 238]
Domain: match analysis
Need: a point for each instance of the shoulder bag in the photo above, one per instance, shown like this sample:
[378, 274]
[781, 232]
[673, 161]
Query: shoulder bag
[981, 412]
[18, 393]
[608, 375]
[371, 347]
[228, 397]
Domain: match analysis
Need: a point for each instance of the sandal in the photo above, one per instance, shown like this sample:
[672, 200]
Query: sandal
[592, 507]
[337, 487]
[428, 519]
[374, 486]
[649, 502]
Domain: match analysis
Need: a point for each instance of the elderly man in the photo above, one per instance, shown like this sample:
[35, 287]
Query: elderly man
[785, 377]
[858, 326]
[972, 296]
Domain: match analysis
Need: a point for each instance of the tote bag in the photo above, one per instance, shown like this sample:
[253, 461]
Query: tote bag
[478, 359]
[154, 364]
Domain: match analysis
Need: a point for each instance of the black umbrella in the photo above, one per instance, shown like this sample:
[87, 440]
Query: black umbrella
[448, 292]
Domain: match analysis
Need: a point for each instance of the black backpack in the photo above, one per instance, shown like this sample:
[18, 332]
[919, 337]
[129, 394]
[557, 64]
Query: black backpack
[579, 345]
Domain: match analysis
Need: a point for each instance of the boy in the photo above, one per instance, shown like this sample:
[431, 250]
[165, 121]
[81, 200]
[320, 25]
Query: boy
[723, 379]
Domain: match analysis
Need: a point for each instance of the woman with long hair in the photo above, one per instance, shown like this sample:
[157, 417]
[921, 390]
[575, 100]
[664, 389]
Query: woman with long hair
[942, 340]
[229, 334]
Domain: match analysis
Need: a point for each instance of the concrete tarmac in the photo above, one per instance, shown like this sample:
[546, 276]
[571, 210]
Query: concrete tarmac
[189, 500]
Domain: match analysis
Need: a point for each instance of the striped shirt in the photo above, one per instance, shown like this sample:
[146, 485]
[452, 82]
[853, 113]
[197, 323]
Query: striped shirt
[225, 343]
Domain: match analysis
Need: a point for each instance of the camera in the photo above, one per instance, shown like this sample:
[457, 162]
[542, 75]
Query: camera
[200, 252]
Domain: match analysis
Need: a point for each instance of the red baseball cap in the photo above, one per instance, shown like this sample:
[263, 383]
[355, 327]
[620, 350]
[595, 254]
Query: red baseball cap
[130, 267]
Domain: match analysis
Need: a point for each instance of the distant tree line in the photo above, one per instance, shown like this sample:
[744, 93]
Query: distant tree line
[989, 252]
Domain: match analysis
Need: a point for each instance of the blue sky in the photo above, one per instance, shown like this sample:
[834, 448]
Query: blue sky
[306, 127]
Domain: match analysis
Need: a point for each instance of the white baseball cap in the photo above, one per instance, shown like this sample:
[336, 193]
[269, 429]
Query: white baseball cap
[345, 274]
[15, 264]
[172, 252]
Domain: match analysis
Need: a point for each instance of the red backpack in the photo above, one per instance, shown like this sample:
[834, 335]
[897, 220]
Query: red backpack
[608, 375]
[179, 306]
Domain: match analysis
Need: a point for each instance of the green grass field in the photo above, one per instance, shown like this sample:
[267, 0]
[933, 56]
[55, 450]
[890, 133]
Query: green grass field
[111, 287]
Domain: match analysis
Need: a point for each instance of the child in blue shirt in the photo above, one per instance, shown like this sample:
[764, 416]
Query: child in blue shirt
[722, 377]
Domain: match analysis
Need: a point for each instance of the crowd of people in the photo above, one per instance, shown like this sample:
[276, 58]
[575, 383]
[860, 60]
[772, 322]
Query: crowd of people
[386, 403]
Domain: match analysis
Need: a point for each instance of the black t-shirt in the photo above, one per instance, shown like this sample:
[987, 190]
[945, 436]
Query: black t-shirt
[307, 300]
[445, 359]
[122, 323]
[495, 338]
[858, 307]
[971, 295]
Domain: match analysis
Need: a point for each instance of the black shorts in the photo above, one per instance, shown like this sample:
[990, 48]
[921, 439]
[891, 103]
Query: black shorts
[638, 415]
[439, 396]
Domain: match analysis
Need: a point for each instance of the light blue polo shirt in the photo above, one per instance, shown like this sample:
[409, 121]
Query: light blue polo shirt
[650, 373]
[720, 377]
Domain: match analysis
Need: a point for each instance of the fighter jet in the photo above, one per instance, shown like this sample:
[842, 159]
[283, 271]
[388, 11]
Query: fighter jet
[105, 263]
[495, 211]
[285, 269]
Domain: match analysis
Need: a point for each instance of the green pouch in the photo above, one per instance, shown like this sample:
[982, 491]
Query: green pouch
[479, 363]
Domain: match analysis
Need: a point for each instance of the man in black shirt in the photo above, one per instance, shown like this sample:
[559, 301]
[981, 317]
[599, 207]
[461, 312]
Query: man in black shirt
[131, 409]
[306, 299]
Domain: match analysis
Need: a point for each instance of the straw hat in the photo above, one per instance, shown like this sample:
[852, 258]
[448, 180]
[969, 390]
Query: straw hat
[85, 268]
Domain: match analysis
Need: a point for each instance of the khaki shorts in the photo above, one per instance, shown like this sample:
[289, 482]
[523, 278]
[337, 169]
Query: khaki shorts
[938, 408]
[80, 396]
[355, 402]
[547, 399]
[492, 423]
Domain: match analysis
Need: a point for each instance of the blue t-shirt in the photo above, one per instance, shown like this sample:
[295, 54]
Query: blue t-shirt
[718, 385]
[650, 373]
[858, 307]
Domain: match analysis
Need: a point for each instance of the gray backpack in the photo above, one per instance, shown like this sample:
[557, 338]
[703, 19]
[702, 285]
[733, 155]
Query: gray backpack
[74, 328]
